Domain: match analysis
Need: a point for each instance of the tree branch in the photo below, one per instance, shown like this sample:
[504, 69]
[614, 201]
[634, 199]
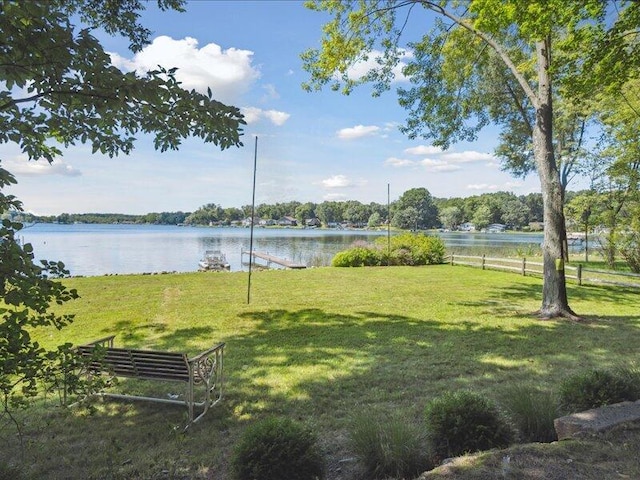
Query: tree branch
[531, 95]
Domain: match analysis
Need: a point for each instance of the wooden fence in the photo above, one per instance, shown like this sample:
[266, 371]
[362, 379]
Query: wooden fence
[581, 274]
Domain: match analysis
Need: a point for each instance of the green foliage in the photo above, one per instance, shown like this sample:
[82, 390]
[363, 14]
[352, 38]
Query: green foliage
[414, 249]
[10, 472]
[598, 387]
[277, 449]
[464, 421]
[27, 293]
[65, 373]
[630, 250]
[58, 85]
[406, 249]
[415, 210]
[532, 411]
[389, 447]
[358, 257]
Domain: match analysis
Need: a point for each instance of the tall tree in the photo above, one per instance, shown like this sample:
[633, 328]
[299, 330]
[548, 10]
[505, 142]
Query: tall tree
[420, 200]
[534, 47]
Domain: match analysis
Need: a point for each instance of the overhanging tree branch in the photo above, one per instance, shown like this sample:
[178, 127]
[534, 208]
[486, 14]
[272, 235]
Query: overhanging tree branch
[533, 98]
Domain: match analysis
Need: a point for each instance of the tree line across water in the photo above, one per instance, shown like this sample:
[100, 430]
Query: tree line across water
[415, 209]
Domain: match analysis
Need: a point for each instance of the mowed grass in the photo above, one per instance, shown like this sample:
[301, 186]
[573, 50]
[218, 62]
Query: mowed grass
[319, 345]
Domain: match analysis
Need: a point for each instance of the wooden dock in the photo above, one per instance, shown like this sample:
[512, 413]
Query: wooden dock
[283, 262]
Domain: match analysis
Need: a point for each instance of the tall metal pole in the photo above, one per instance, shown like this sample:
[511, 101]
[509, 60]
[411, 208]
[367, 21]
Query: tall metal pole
[388, 224]
[253, 216]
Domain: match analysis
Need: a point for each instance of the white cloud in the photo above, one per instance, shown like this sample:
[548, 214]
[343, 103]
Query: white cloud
[334, 197]
[423, 150]
[358, 131]
[437, 166]
[361, 68]
[467, 156]
[276, 117]
[510, 185]
[254, 114]
[21, 166]
[271, 92]
[399, 162]
[337, 181]
[443, 161]
[445, 168]
[429, 162]
[228, 73]
[482, 186]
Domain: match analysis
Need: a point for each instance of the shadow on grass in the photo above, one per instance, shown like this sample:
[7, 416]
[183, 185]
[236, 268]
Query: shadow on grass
[324, 367]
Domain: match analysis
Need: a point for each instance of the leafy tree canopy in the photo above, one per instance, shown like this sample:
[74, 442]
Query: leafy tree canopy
[487, 62]
[58, 86]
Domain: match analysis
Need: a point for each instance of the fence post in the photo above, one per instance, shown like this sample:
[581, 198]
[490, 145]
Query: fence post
[483, 260]
[524, 266]
[452, 259]
[579, 274]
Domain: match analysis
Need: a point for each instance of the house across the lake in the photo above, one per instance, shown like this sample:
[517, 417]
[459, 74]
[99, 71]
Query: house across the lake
[496, 228]
[467, 227]
[313, 222]
[288, 222]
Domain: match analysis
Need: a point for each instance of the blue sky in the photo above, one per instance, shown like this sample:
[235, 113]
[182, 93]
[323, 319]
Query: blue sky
[311, 146]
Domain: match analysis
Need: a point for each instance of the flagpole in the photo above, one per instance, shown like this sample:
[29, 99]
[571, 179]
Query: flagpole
[253, 209]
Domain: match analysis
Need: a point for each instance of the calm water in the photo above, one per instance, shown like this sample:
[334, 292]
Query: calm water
[111, 249]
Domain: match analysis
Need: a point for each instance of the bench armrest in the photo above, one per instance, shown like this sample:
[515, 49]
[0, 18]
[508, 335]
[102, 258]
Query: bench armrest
[105, 342]
[206, 352]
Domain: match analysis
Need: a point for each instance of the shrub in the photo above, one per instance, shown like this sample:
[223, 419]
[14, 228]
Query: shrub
[414, 249]
[463, 422]
[277, 449]
[406, 249]
[9, 471]
[596, 388]
[532, 411]
[630, 250]
[358, 257]
[387, 448]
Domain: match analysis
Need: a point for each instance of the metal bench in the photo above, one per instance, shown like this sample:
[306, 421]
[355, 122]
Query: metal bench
[202, 374]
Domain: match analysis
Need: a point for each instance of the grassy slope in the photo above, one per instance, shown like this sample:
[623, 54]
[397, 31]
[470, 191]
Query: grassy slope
[318, 345]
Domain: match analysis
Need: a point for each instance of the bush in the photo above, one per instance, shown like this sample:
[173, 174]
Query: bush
[277, 449]
[358, 257]
[464, 422]
[414, 249]
[630, 250]
[596, 388]
[532, 411]
[405, 249]
[9, 471]
[387, 448]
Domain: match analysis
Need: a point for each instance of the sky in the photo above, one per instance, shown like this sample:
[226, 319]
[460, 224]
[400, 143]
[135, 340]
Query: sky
[311, 146]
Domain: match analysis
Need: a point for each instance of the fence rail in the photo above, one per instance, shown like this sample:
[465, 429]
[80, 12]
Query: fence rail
[580, 274]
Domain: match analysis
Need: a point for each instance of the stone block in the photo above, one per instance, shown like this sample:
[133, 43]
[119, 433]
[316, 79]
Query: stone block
[597, 419]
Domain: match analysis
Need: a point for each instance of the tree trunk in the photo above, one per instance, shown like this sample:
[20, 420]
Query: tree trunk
[554, 290]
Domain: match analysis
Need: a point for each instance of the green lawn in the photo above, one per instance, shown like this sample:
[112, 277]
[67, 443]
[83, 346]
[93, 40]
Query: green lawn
[319, 345]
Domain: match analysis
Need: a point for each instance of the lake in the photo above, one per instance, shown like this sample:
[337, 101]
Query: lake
[91, 249]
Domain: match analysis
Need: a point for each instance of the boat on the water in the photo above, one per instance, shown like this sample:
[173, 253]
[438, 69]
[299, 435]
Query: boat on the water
[213, 260]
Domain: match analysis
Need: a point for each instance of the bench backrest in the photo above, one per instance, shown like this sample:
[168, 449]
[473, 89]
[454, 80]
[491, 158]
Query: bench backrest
[146, 364]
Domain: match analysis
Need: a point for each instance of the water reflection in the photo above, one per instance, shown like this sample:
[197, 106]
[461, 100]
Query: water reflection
[111, 249]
